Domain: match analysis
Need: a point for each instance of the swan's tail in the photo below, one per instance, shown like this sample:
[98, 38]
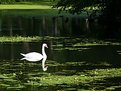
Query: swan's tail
[22, 54]
[22, 58]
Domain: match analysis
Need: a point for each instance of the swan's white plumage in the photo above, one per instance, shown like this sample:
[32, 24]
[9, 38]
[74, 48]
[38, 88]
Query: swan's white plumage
[35, 56]
[32, 56]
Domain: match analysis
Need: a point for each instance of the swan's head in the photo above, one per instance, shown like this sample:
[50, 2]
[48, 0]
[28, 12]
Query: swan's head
[45, 68]
[45, 45]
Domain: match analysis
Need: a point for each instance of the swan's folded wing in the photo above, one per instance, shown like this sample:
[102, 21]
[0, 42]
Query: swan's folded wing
[34, 56]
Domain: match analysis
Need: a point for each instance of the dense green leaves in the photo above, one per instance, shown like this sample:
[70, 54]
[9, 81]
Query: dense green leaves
[108, 12]
[76, 6]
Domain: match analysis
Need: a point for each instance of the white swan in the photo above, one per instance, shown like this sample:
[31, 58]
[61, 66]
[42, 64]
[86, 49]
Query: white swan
[35, 56]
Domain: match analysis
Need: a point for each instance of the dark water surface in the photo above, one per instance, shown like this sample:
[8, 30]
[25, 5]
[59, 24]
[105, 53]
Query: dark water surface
[34, 24]
[62, 53]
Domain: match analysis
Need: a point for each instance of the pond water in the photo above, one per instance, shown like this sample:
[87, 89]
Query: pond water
[63, 60]
[66, 61]
[62, 53]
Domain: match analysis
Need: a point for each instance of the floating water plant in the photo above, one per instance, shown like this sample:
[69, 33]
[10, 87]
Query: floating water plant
[19, 39]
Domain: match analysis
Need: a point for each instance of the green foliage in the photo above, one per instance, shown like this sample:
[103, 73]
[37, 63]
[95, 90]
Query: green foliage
[111, 7]
[108, 12]
[77, 6]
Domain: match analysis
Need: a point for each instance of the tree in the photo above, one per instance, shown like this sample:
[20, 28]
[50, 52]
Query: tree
[109, 12]
[77, 6]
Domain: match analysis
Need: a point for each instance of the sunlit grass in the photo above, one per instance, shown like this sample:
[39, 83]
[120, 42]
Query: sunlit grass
[29, 8]
[19, 6]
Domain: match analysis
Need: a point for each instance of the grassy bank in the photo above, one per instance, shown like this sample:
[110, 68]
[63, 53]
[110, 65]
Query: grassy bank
[20, 6]
[28, 8]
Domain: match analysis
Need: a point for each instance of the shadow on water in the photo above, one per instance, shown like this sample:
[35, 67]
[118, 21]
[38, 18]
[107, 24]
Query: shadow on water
[39, 25]
[107, 83]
